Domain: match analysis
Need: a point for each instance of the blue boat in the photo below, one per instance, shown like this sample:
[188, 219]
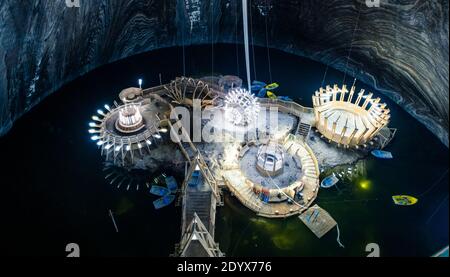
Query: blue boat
[163, 201]
[258, 83]
[262, 93]
[256, 88]
[159, 191]
[171, 184]
[285, 98]
[329, 181]
[382, 154]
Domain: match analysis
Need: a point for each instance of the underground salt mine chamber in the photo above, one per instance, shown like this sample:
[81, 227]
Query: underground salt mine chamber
[205, 128]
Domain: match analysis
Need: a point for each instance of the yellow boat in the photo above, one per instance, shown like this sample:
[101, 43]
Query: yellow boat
[272, 86]
[404, 200]
[271, 95]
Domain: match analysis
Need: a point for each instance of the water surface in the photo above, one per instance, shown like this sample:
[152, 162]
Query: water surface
[54, 189]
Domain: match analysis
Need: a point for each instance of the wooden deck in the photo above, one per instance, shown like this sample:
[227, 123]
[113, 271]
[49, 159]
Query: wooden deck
[318, 220]
[242, 188]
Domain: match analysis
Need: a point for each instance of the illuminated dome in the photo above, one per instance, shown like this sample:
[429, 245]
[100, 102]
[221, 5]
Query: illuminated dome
[125, 132]
[270, 159]
[241, 107]
[348, 120]
[130, 119]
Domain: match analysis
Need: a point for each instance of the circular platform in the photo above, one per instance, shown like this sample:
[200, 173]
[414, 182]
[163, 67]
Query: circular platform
[347, 118]
[130, 119]
[127, 128]
[288, 173]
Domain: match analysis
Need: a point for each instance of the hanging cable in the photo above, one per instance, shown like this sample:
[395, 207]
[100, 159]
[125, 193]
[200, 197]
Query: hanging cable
[237, 45]
[212, 38]
[246, 42]
[253, 42]
[267, 43]
[324, 76]
[338, 239]
[184, 54]
[437, 209]
[351, 45]
[434, 184]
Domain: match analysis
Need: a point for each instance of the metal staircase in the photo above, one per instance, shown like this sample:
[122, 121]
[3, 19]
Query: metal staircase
[303, 130]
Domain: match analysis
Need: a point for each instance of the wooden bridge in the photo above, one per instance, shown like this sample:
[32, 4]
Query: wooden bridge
[200, 197]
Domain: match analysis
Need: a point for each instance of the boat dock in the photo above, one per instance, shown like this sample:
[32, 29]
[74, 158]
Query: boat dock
[318, 220]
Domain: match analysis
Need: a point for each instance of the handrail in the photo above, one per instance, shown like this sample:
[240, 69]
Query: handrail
[291, 106]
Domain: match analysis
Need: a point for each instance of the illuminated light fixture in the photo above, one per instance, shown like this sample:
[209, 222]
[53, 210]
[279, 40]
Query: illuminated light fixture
[148, 142]
[92, 124]
[130, 119]
[100, 112]
[365, 184]
[96, 118]
[93, 131]
[241, 107]
[158, 136]
[107, 147]
[117, 149]
[163, 130]
[140, 83]
[95, 138]
[100, 142]
[139, 145]
[107, 107]
[128, 148]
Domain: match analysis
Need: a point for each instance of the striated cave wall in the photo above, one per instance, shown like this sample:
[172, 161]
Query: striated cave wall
[401, 47]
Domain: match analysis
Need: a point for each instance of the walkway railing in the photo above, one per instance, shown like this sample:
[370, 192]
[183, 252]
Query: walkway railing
[287, 106]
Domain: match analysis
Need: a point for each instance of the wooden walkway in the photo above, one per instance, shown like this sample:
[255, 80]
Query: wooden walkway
[198, 216]
[200, 197]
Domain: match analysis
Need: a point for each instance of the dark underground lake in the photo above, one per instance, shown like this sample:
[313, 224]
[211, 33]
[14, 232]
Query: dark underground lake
[55, 191]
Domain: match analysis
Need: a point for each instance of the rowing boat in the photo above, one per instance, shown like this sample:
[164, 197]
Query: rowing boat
[163, 201]
[404, 200]
[382, 154]
[329, 181]
[159, 191]
[272, 86]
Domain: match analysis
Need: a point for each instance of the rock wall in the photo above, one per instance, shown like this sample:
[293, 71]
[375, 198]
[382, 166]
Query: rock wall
[401, 47]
